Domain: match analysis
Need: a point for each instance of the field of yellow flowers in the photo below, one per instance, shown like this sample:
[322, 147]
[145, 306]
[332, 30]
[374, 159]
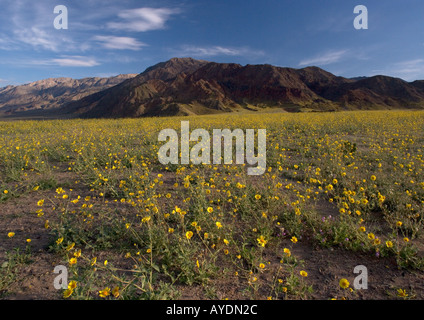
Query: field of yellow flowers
[340, 190]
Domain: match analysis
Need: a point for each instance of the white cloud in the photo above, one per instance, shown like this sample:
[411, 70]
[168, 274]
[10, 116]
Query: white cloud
[76, 61]
[6, 43]
[37, 38]
[325, 59]
[408, 70]
[196, 51]
[69, 61]
[143, 19]
[119, 43]
[409, 66]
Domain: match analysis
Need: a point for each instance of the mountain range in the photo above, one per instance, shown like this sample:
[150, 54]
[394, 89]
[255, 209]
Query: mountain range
[50, 94]
[185, 86]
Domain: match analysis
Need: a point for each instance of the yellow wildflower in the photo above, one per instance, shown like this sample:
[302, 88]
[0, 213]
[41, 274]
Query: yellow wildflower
[344, 283]
[261, 240]
[189, 234]
[104, 293]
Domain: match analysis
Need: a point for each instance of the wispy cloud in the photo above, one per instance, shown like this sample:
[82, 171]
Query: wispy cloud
[119, 43]
[37, 38]
[408, 70]
[6, 43]
[143, 19]
[325, 58]
[29, 24]
[68, 61]
[210, 51]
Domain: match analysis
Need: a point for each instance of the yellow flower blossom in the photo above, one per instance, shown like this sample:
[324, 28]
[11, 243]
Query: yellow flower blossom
[189, 234]
[104, 293]
[261, 240]
[344, 283]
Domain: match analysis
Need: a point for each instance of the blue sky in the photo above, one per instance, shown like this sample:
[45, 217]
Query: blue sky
[106, 38]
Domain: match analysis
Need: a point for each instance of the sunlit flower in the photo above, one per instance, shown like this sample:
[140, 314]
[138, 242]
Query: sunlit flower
[344, 283]
[115, 292]
[402, 293]
[67, 293]
[145, 219]
[261, 240]
[72, 285]
[104, 293]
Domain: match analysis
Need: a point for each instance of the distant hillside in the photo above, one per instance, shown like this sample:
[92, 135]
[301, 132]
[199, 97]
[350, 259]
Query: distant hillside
[52, 93]
[185, 86]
